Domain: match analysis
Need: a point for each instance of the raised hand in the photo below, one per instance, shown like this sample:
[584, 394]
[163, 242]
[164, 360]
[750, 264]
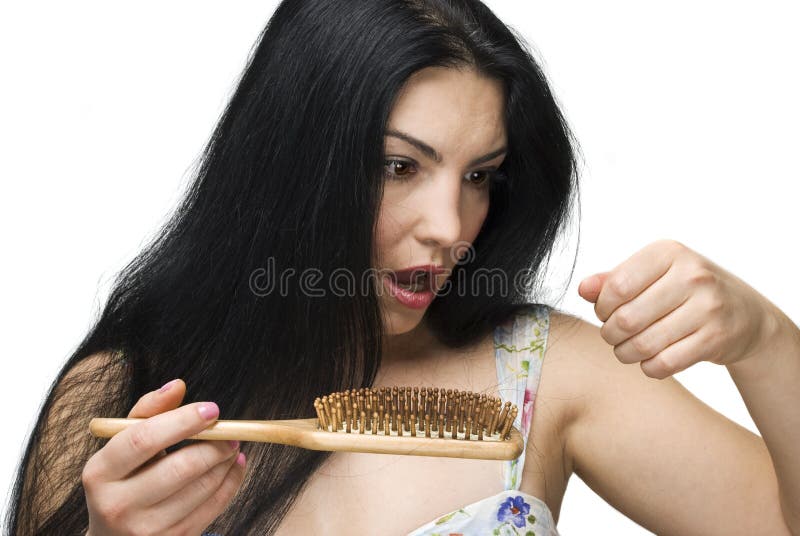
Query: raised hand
[668, 307]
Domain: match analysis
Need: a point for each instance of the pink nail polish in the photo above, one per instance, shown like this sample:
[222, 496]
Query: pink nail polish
[208, 411]
[167, 386]
[240, 459]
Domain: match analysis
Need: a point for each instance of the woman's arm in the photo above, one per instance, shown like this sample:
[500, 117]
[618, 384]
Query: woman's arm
[657, 453]
[770, 386]
[667, 308]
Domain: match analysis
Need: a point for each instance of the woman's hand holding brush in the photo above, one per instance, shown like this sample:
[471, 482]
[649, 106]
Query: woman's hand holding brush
[133, 486]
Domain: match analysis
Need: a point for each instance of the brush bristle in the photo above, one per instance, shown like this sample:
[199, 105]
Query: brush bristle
[418, 412]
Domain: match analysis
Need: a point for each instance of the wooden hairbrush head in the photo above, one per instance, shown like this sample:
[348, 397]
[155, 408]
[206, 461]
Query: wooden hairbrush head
[384, 420]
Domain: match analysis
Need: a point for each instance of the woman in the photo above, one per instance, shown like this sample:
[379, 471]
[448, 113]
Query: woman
[294, 158]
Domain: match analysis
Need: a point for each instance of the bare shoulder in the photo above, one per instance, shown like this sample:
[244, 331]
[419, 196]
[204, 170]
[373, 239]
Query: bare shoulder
[571, 370]
[563, 364]
[578, 368]
[577, 365]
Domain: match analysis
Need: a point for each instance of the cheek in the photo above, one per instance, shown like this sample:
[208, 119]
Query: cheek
[473, 216]
[388, 227]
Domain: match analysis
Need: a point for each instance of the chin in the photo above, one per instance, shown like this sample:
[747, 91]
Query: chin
[397, 323]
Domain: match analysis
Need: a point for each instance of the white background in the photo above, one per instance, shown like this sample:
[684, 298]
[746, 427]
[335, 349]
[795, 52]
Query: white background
[687, 114]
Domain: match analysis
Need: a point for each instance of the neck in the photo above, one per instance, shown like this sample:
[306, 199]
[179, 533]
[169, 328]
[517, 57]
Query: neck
[409, 346]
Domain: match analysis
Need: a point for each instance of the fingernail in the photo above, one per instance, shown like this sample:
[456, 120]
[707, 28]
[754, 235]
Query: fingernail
[167, 386]
[234, 444]
[240, 459]
[209, 410]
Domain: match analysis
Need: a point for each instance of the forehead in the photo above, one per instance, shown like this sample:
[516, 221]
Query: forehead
[435, 155]
[446, 106]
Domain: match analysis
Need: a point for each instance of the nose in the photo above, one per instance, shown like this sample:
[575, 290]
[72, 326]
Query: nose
[440, 212]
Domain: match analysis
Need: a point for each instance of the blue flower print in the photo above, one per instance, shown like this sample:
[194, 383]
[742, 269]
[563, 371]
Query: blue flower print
[514, 509]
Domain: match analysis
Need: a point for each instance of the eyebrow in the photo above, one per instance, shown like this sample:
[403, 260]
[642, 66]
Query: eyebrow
[431, 153]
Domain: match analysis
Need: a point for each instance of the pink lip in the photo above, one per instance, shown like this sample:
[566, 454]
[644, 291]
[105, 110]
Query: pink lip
[413, 300]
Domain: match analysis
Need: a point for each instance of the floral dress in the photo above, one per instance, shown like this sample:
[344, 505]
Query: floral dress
[519, 346]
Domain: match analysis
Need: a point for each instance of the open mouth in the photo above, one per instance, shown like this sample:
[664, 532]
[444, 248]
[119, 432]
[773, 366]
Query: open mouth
[419, 282]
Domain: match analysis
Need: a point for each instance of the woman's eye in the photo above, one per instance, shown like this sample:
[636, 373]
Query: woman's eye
[402, 170]
[480, 178]
[487, 177]
[397, 168]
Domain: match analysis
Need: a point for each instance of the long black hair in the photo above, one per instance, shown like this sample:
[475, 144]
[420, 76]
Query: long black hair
[291, 179]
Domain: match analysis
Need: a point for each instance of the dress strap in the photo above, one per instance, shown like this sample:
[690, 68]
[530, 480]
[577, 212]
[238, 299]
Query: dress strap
[519, 345]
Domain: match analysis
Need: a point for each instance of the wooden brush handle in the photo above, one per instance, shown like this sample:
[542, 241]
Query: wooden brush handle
[283, 432]
[305, 433]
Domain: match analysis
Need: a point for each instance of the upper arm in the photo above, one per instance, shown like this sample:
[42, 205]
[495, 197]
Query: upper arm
[658, 454]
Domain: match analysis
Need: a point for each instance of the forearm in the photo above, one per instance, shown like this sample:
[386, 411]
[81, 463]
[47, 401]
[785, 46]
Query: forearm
[770, 386]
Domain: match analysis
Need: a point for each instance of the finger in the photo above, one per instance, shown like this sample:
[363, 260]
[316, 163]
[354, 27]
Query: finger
[133, 446]
[157, 481]
[673, 327]
[206, 513]
[655, 302]
[589, 289]
[630, 278]
[190, 501]
[676, 357]
[168, 397]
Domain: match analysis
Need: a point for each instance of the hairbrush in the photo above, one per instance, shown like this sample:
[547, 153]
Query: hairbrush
[384, 420]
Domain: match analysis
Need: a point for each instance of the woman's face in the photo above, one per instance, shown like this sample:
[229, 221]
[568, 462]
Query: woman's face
[446, 134]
